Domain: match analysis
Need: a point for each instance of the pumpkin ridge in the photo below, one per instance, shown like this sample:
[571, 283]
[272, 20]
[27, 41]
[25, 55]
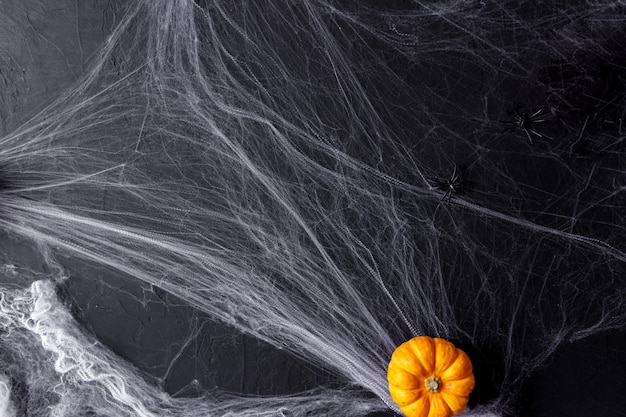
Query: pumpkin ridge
[423, 348]
[404, 397]
[457, 379]
[459, 369]
[455, 402]
[445, 355]
[402, 378]
[404, 358]
[400, 387]
[461, 387]
[440, 405]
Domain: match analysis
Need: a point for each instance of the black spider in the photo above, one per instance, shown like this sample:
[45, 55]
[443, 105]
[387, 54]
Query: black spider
[525, 122]
[455, 184]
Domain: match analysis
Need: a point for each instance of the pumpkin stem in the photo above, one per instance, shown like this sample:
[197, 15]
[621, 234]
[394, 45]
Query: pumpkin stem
[433, 384]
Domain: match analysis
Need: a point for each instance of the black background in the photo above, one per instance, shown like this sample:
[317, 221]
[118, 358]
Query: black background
[181, 347]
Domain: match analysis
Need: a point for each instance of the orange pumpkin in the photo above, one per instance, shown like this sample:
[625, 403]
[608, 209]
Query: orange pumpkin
[430, 377]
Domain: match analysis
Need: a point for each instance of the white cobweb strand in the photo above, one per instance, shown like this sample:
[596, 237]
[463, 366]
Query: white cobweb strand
[89, 378]
[6, 404]
[197, 158]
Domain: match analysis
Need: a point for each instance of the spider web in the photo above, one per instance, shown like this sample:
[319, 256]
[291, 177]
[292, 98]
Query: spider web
[274, 167]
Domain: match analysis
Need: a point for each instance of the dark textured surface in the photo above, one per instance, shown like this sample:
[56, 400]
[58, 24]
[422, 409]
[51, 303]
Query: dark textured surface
[586, 378]
[186, 351]
[44, 49]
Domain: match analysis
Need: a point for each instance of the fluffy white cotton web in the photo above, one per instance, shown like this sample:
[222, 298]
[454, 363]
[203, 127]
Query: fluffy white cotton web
[288, 169]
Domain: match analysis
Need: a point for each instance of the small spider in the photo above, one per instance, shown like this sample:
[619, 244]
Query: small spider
[525, 122]
[455, 184]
